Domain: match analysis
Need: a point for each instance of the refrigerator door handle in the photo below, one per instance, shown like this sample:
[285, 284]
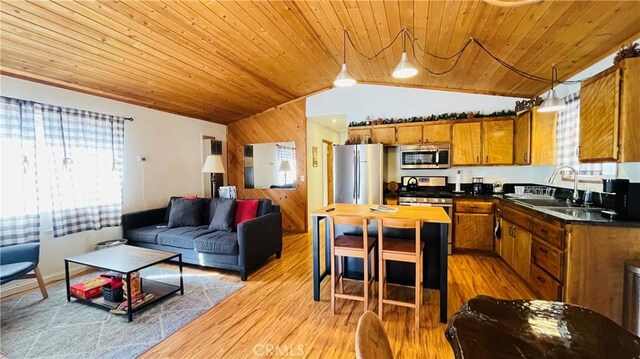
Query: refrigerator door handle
[357, 181]
[355, 171]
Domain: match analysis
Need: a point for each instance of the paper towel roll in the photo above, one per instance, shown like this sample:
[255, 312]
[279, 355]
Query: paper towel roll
[458, 181]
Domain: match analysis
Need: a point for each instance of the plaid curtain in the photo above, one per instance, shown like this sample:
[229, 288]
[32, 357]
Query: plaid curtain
[19, 217]
[568, 135]
[84, 165]
[286, 153]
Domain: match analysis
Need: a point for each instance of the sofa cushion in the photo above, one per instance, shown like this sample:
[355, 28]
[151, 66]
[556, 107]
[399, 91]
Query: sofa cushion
[224, 213]
[217, 243]
[205, 213]
[181, 237]
[246, 209]
[145, 234]
[264, 207]
[185, 213]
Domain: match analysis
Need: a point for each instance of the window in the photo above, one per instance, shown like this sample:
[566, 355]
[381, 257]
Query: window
[77, 179]
[286, 157]
[568, 135]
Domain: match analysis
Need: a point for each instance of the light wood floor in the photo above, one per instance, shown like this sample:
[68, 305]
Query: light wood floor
[276, 308]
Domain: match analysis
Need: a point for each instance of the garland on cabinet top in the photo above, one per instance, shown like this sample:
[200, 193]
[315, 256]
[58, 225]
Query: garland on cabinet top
[444, 116]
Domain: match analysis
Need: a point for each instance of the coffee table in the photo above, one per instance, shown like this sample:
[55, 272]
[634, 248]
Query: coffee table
[127, 259]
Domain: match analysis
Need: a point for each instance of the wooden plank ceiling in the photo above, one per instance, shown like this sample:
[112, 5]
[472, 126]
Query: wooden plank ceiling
[222, 61]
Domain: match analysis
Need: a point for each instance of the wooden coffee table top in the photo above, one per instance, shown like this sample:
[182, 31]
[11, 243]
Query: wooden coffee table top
[122, 258]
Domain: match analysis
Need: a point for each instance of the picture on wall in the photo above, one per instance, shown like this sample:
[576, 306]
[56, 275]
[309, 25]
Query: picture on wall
[314, 153]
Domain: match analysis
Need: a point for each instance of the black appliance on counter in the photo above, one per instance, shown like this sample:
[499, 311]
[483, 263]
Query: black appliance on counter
[619, 188]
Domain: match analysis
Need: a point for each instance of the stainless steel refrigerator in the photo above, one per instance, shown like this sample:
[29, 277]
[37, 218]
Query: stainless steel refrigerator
[357, 173]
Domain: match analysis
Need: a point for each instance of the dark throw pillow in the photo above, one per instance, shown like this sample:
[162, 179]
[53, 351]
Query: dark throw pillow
[224, 214]
[185, 212]
[246, 209]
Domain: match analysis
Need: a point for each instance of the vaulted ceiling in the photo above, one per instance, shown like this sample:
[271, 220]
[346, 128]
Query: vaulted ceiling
[222, 61]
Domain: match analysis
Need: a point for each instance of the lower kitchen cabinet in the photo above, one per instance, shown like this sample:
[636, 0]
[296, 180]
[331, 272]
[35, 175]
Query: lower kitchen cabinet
[521, 251]
[473, 231]
[506, 242]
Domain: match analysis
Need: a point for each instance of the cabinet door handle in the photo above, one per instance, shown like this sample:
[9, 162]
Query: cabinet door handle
[544, 231]
[543, 250]
[514, 231]
[474, 207]
[525, 157]
[510, 231]
[487, 159]
[478, 159]
[541, 280]
[458, 219]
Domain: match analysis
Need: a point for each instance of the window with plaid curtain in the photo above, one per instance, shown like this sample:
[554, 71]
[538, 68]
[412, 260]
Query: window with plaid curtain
[77, 178]
[286, 153]
[19, 217]
[568, 135]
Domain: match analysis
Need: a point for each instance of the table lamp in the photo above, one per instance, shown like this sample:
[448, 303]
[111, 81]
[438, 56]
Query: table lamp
[213, 164]
[285, 167]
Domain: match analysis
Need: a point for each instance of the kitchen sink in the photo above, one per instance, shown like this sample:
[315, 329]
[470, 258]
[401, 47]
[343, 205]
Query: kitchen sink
[542, 202]
[576, 213]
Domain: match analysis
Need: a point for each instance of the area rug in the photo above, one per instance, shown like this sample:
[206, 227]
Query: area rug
[54, 328]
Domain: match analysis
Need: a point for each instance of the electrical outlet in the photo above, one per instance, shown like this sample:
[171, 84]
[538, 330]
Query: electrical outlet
[301, 178]
[142, 158]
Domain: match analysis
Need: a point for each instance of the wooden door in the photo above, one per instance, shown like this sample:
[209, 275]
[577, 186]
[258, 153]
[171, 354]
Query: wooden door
[497, 144]
[506, 242]
[409, 134]
[522, 139]
[521, 251]
[329, 155]
[466, 143]
[543, 137]
[437, 133]
[385, 135]
[473, 231]
[599, 100]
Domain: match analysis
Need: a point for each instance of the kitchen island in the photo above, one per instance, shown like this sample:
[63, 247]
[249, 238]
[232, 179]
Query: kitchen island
[436, 242]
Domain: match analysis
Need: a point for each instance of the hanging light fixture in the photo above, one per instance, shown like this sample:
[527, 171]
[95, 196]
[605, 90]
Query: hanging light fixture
[404, 69]
[344, 78]
[552, 103]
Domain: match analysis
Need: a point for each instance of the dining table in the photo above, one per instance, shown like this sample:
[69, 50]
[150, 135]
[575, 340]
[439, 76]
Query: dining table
[434, 215]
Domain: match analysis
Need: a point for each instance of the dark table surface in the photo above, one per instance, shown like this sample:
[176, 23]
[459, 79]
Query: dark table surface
[486, 327]
[122, 258]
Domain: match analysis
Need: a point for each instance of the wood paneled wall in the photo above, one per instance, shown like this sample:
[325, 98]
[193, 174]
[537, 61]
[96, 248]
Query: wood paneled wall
[281, 124]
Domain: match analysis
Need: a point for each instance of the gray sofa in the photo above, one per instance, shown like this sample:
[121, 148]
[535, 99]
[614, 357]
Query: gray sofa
[242, 250]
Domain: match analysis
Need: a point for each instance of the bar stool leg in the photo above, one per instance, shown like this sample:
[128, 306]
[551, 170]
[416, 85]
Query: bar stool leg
[417, 296]
[380, 286]
[365, 282]
[333, 280]
[341, 275]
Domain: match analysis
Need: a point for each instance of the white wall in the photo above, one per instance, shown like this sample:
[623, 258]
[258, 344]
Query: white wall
[315, 134]
[172, 143]
[360, 101]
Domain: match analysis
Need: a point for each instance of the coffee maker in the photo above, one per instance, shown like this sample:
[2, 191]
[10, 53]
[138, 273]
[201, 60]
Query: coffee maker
[619, 188]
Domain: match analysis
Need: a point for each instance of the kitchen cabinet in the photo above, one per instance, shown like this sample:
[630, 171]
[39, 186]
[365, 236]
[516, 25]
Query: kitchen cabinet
[543, 137]
[521, 251]
[506, 241]
[409, 135]
[434, 132]
[544, 285]
[522, 139]
[357, 133]
[466, 143]
[473, 225]
[599, 115]
[385, 135]
[497, 144]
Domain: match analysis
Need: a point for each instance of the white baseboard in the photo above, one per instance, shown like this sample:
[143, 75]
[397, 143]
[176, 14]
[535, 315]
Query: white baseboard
[23, 285]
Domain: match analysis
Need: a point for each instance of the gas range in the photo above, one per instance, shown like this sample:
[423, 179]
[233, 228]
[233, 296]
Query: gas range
[407, 199]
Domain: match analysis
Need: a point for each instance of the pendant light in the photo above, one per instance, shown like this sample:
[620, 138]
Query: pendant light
[344, 78]
[552, 103]
[404, 69]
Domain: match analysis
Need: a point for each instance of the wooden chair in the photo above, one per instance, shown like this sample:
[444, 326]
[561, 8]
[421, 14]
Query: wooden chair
[371, 339]
[401, 250]
[350, 246]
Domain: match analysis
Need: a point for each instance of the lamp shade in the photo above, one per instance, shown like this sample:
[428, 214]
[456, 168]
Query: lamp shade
[285, 166]
[213, 164]
[344, 78]
[551, 104]
[404, 69]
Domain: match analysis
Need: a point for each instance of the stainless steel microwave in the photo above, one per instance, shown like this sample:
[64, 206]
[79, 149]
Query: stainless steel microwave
[425, 156]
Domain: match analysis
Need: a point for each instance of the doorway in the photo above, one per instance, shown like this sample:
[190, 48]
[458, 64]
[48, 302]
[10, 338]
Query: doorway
[327, 172]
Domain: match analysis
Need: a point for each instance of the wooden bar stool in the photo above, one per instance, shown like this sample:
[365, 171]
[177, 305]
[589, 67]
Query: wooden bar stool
[401, 250]
[350, 246]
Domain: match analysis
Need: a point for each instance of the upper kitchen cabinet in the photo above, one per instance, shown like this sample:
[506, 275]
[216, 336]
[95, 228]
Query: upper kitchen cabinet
[610, 114]
[436, 132]
[599, 102]
[385, 135]
[360, 133]
[497, 144]
[534, 139]
[467, 144]
[409, 135]
[522, 139]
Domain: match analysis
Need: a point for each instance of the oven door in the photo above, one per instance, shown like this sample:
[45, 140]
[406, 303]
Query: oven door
[424, 158]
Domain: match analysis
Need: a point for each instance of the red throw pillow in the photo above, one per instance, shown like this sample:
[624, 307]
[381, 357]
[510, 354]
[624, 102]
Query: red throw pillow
[246, 209]
[191, 197]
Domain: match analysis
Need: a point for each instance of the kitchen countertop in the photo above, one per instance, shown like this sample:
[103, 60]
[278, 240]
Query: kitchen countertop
[578, 219]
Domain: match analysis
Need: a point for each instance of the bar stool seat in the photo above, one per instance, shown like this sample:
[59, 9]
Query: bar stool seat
[348, 241]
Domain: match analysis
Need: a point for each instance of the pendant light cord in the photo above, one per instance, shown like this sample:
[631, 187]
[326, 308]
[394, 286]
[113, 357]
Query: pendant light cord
[457, 55]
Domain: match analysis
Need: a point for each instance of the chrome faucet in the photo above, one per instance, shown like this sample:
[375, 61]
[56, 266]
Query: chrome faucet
[576, 195]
